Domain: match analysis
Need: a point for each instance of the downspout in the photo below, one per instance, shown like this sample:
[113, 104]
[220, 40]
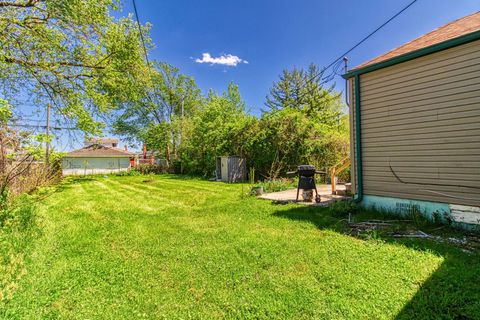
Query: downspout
[358, 143]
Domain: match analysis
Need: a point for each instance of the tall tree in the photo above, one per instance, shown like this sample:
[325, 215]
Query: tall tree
[288, 91]
[304, 90]
[220, 127]
[304, 124]
[156, 117]
[72, 53]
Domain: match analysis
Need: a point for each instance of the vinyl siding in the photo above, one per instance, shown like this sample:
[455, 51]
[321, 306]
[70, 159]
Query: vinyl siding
[422, 118]
[80, 166]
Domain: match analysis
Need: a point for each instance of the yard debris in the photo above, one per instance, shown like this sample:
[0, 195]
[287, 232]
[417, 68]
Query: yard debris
[401, 229]
[468, 243]
[411, 234]
[369, 229]
[365, 226]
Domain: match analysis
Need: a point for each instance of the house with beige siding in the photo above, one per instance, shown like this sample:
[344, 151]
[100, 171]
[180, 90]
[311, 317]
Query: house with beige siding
[415, 125]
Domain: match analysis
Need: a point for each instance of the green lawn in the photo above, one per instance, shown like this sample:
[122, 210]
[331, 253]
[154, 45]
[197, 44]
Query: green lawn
[121, 248]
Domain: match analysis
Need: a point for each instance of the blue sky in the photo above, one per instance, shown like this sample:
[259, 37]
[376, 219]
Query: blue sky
[276, 34]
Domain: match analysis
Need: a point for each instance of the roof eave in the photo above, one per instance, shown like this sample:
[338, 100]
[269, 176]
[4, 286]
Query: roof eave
[469, 37]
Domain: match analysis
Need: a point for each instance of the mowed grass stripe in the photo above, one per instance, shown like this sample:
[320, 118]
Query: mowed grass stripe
[119, 248]
[144, 194]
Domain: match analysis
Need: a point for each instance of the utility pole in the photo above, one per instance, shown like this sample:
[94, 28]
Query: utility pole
[47, 132]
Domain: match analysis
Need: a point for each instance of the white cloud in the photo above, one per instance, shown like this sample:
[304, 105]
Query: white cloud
[225, 60]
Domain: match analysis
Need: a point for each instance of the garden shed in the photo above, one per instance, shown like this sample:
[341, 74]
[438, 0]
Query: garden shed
[415, 125]
[231, 169]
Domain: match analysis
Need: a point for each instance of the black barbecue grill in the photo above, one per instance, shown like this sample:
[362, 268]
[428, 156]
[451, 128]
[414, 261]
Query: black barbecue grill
[306, 179]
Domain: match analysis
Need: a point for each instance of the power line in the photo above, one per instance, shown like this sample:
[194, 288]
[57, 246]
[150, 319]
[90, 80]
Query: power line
[373, 32]
[27, 120]
[144, 50]
[140, 31]
[34, 122]
[332, 74]
[23, 125]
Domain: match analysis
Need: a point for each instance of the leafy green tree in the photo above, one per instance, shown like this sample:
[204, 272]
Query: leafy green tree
[328, 144]
[305, 123]
[280, 141]
[72, 53]
[220, 127]
[157, 116]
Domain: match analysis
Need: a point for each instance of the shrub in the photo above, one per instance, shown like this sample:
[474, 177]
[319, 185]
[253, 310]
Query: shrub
[129, 173]
[177, 167]
[151, 168]
[277, 185]
[345, 175]
[18, 214]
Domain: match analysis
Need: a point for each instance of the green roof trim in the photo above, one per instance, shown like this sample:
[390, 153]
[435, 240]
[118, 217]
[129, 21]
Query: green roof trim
[358, 143]
[469, 37]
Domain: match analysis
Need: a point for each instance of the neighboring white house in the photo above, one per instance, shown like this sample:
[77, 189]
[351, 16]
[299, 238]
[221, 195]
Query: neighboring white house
[97, 159]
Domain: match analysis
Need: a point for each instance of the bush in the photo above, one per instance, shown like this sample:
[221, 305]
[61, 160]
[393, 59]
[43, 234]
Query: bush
[345, 175]
[151, 168]
[177, 167]
[18, 214]
[277, 185]
[129, 173]
[33, 176]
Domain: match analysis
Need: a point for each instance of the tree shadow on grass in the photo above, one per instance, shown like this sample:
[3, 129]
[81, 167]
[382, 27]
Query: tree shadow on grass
[451, 292]
[177, 176]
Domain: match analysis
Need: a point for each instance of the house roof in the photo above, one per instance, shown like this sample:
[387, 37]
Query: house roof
[99, 151]
[450, 31]
[101, 141]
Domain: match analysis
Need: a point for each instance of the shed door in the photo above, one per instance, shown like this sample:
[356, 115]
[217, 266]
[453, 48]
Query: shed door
[224, 169]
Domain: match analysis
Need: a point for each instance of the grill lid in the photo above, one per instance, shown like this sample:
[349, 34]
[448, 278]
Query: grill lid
[306, 170]
[306, 167]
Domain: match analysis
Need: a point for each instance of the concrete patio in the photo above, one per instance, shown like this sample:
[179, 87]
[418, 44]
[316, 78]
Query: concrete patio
[325, 192]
